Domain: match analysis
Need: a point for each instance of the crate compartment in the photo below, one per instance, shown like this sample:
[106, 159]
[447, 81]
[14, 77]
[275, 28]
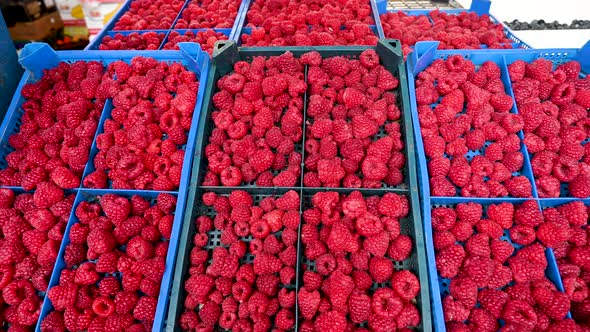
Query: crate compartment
[151, 252]
[572, 279]
[440, 286]
[161, 17]
[566, 115]
[49, 139]
[393, 131]
[188, 271]
[413, 261]
[304, 33]
[208, 17]
[432, 130]
[433, 21]
[32, 233]
[130, 40]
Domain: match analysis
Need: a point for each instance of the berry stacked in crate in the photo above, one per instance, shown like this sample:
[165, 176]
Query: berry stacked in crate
[298, 23]
[263, 247]
[141, 25]
[77, 125]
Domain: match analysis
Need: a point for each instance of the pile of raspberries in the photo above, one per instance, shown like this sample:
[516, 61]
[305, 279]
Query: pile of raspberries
[350, 243]
[353, 135]
[554, 107]
[247, 282]
[298, 23]
[140, 144]
[200, 14]
[565, 230]
[473, 114]
[32, 227]
[488, 280]
[463, 31]
[59, 120]
[206, 38]
[149, 15]
[258, 120]
[133, 41]
[114, 265]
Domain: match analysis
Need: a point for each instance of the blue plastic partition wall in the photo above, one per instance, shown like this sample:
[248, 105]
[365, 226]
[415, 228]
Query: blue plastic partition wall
[422, 56]
[36, 57]
[232, 33]
[10, 71]
[479, 7]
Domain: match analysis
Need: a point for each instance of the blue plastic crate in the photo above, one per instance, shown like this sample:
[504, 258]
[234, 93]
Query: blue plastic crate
[480, 7]
[424, 54]
[108, 29]
[39, 56]
[10, 72]
[243, 29]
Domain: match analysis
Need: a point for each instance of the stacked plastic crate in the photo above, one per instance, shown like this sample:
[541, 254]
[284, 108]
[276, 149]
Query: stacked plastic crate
[454, 28]
[143, 25]
[505, 214]
[252, 221]
[97, 201]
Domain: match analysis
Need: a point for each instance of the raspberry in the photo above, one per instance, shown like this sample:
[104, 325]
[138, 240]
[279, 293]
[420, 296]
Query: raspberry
[100, 241]
[330, 321]
[308, 303]
[519, 186]
[405, 284]
[520, 314]
[579, 187]
[145, 309]
[401, 248]
[380, 268]
[64, 178]
[116, 208]
[378, 244]
[47, 194]
[359, 306]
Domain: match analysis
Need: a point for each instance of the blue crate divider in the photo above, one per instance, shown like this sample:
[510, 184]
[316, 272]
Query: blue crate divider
[108, 29]
[94, 45]
[36, 57]
[424, 54]
[243, 29]
[226, 32]
[480, 7]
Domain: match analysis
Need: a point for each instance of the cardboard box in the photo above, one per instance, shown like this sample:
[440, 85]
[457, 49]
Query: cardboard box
[38, 29]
